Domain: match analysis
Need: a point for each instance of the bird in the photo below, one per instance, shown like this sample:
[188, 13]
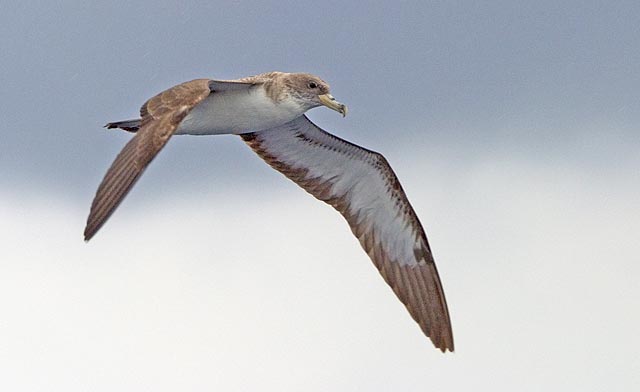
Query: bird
[268, 112]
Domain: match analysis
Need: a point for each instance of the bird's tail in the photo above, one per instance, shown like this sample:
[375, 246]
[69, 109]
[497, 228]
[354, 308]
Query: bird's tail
[127, 125]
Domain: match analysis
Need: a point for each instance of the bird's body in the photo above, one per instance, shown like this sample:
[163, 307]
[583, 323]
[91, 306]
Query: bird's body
[238, 111]
[267, 111]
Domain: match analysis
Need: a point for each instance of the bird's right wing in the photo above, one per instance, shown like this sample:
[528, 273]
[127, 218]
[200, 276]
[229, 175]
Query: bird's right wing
[361, 185]
[161, 116]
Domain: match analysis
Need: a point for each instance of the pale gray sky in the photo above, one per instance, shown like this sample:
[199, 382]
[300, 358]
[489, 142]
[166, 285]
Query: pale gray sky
[513, 126]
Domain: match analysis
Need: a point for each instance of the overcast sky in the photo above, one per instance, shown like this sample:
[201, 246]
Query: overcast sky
[512, 125]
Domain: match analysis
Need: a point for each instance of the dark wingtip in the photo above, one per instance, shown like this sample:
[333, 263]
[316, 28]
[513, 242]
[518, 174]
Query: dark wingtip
[444, 346]
[87, 234]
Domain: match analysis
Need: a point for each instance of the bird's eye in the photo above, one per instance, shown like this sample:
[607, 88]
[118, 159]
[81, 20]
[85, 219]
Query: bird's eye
[313, 85]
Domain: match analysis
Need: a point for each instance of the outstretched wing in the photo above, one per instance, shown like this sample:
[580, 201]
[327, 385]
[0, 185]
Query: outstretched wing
[361, 185]
[161, 116]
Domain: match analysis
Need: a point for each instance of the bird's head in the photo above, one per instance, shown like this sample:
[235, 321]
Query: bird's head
[311, 91]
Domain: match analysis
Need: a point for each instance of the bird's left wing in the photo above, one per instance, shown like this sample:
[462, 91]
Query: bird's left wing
[161, 115]
[361, 185]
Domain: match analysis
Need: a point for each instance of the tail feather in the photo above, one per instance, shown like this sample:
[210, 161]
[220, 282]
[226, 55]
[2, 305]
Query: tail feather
[127, 125]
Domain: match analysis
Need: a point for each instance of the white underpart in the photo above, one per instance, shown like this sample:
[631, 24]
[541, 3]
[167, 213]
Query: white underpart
[238, 111]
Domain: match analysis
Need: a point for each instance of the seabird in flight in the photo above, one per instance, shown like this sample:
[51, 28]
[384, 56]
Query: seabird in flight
[267, 112]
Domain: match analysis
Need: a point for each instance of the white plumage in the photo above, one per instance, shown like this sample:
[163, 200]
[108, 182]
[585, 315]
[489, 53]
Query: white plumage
[238, 111]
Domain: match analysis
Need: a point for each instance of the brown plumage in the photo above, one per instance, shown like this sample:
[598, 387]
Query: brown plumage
[160, 118]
